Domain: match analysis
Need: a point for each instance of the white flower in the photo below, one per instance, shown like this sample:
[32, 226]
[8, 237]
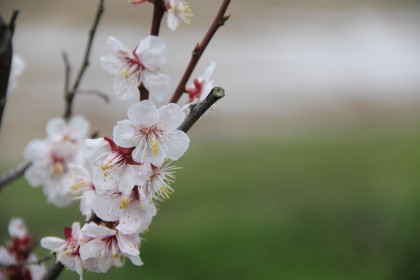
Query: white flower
[152, 132]
[131, 68]
[79, 181]
[201, 86]
[103, 247]
[49, 166]
[51, 157]
[133, 211]
[67, 251]
[114, 170]
[74, 131]
[178, 11]
[19, 251]
[16, 70]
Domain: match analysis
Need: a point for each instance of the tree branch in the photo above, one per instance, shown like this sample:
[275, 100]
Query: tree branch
[53, 272]
[158, 12]
[199, 109]
[218, 21]
[6, 55]
[69, 96]
[13, 174]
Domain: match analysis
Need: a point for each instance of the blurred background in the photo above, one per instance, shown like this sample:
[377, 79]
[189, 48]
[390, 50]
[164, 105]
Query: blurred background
[307, 169]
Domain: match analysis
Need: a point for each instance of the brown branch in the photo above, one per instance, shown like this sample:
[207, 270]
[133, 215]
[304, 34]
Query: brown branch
[199, 109]
[13, 174]
[53, 272]
[158, 12]
[218, 21]
[67, 70]
[13, 20]
[69, 96]
[144, 93]
[6, 55]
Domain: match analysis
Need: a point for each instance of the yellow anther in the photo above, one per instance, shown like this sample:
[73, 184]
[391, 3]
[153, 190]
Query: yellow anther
[165, 192]
[155, 147]
[124, 203]
[126, 73]
[76, 186]
[57, 169]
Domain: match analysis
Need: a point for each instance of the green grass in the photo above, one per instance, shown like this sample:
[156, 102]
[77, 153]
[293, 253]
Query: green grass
[339, 203]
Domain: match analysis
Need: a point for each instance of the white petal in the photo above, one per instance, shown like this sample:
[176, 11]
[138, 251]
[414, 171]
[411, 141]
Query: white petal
[6, 258]
[96, 231]
[125, 134]
[78, 126]
[110, 63]
[177, 144]
[157, 83]
[91, 249]
[171, 117]
[56, 127]
[37, 271]
[126, 87]
[36, 175]
[94, 148]
[86, 203]
[152, 52]
[135, 260]
[17, 228]
[52, 243]
[105, 183]
[37, 150]
[107, 207]
[134, 219]
[143, 114]
[209, 71]
[128, 243]
[173, 21]
[116, 44]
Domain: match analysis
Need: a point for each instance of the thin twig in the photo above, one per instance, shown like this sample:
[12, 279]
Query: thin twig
[158, 12]
[98, 93]
[13, 21]
[13, 174]
[69, 96]
[53, 272]
[218, 21]
[199, 109]
[67, 70]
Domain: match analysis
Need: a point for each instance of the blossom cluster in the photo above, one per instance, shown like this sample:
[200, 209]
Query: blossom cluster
[118, 180]
[16, 259]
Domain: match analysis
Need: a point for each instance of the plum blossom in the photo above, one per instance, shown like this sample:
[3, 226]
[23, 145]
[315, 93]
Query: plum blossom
[74, 131]
[114, 169]
[153, 132]
[49, 166]
[140, 66]
[178, 11]
[201, 86]
[18, 251]
[133, 211]
[103, 247]
[50, 158]
[67, 251]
